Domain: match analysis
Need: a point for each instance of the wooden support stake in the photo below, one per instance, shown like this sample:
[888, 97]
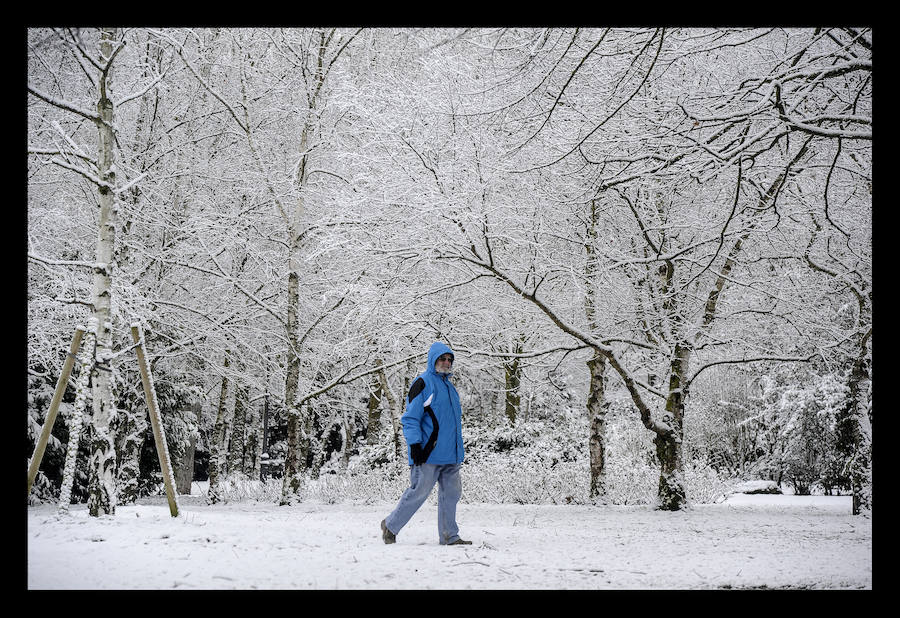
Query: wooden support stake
[54, 408]
[158, 436]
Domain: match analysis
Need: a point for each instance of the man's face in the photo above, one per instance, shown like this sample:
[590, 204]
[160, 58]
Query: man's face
[442, 365]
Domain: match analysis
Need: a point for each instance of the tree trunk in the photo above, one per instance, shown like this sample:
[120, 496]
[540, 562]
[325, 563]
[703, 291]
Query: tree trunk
[184, 470]
[292, 465]
[310, 446]
[217, 448]
[292, 482]
[671, 492]
[597, 407]
[264, 446]
[373, 430]
[102, 468]
[311, 451]
[512, 380]
[860, 465]
[251, 450]
[132, 426]
[237, 443]
[398, 411]
[393, 410]
[348, 425]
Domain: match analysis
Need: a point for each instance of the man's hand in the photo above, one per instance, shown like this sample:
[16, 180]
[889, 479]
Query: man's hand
[418, 455]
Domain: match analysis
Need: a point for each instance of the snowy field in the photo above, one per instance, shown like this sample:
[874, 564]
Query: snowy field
[749, 541]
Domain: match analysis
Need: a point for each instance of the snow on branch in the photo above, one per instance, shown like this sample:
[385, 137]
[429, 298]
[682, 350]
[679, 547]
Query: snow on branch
[661, 32]
[83, 172]
[179, 49]
[758, 359]
[140, 93]
[224, 275]
[823, 132]
[831, 71]
[63, 104]
[34, 150]
[131, 183]
[598, 344]
[49, 262]
[743, 113]
[343, 379]
[532, 354]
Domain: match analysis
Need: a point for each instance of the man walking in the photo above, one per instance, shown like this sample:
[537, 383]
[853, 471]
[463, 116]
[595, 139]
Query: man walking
[432, 426]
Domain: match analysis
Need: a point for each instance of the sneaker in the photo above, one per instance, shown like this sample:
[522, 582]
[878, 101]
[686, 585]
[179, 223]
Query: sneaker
[459, 542]
[388, 536]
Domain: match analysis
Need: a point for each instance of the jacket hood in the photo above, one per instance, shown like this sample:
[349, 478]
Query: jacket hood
[437, 348]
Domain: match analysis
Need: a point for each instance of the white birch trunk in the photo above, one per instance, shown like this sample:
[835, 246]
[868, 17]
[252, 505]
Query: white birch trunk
[102, 469]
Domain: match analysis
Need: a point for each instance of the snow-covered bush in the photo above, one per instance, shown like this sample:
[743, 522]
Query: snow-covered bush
[46, 486]
[631, 482]
[359, 484]
[704, 485]
[42, 490]
[784, 423]
[524, 477]
[799, 412]
[540, 461]
[756, 487]
[238, 487]
[371, 457]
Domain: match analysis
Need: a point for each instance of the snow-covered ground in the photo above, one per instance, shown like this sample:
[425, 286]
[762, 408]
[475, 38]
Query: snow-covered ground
[749, 541]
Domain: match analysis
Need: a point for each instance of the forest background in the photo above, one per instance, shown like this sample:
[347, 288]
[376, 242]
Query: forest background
[650, 249]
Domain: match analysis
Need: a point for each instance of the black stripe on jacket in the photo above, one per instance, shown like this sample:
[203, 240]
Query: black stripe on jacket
[417, 387]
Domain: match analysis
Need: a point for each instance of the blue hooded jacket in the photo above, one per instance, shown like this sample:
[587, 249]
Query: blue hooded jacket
[433, 415]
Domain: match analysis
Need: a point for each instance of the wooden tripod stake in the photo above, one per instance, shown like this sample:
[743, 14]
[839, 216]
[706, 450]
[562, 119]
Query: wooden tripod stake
[54, 408]
[158, 435]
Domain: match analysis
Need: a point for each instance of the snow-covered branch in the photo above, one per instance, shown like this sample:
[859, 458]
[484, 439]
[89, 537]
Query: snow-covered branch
[139, 93]
[64, 105]
[757, 359]
[49, 262]
[179, 49]
[344, 379]
[806, 127]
